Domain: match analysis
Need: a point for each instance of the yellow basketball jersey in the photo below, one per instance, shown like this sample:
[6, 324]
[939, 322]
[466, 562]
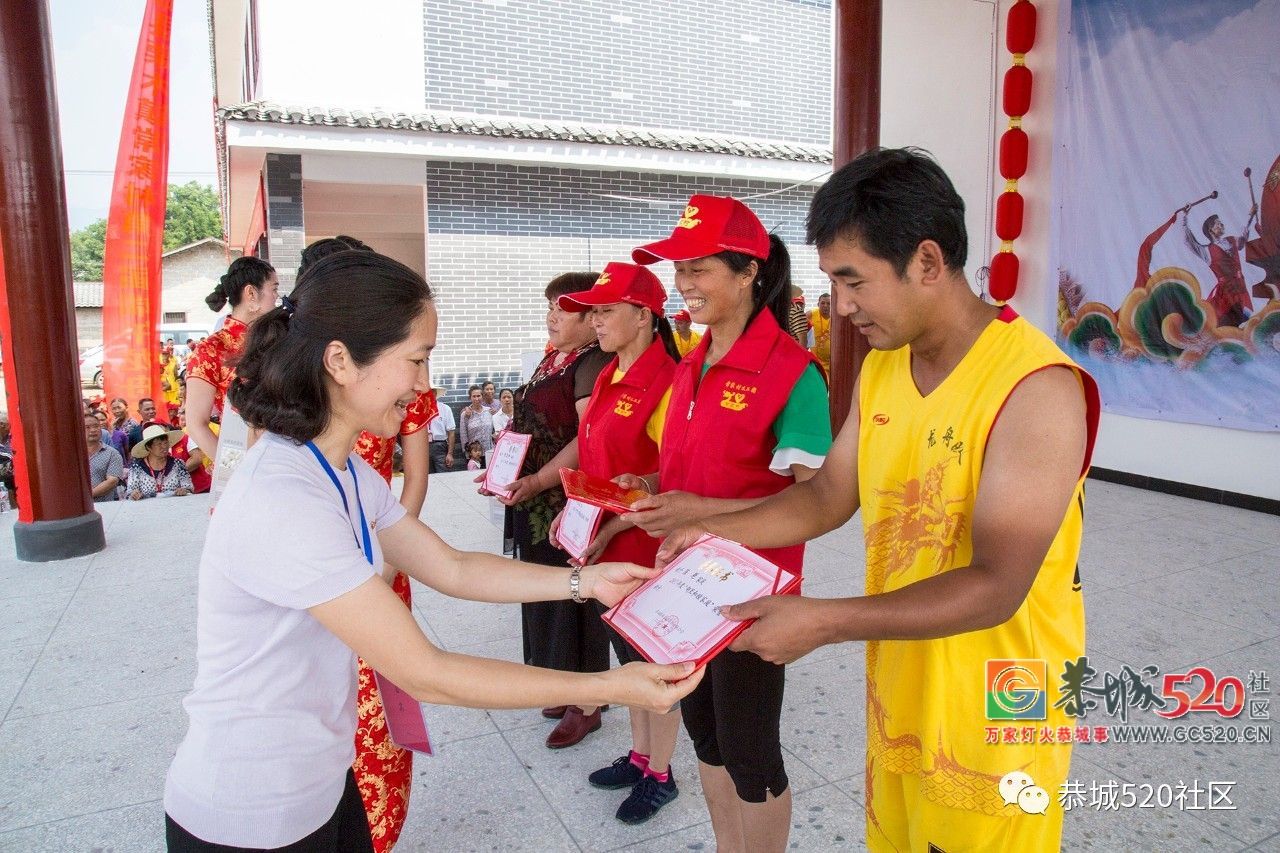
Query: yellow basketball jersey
[920, 460]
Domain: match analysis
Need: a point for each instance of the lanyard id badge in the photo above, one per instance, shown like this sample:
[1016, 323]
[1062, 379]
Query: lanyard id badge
[405, 721]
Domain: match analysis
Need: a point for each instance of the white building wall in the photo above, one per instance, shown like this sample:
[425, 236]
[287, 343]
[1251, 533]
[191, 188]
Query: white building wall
[338, 53]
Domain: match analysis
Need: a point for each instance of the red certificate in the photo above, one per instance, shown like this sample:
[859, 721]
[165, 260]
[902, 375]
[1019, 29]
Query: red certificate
[598, 491]
[505, 461]
[676, 616]
[404, 717]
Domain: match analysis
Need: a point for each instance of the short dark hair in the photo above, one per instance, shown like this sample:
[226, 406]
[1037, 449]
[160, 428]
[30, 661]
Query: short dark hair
[363, 299]
[890, 200]
[145, 400]
[570, 282]
[474, 388]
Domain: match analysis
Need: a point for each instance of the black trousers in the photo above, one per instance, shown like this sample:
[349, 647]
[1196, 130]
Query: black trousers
[558, 634]
[436, 453]
[346, 832]
[733, 717]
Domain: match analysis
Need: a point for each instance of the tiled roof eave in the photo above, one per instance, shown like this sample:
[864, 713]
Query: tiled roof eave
[526, 129]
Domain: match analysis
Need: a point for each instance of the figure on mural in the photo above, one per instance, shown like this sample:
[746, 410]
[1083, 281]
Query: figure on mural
[1230, 296]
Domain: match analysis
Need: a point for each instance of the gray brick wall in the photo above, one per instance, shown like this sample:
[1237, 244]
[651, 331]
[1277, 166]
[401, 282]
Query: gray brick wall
[286, 236]
[759, 68]
[499, 233]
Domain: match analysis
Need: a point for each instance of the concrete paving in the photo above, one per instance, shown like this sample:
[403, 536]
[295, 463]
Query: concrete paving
[96, 654]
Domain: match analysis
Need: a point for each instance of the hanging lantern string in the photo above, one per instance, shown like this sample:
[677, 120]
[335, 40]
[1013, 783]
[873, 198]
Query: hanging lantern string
[1020, 37]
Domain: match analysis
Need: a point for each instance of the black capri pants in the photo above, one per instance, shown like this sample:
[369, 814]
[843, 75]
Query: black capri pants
[733, 717]
[346, 832]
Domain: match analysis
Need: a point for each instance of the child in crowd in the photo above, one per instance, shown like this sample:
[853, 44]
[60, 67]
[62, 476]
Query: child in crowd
[475, 456]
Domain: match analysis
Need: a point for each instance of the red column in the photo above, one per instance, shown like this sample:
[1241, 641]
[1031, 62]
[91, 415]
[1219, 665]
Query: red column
[857, 129]
[58, 520]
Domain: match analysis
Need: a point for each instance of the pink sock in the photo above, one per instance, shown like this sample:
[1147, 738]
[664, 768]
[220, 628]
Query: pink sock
[661, 777]
[640, 761]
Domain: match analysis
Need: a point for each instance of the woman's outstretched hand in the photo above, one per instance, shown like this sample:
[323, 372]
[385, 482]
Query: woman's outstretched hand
[653, 687]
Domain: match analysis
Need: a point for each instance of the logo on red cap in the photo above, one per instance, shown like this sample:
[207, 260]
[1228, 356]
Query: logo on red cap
[688, 221]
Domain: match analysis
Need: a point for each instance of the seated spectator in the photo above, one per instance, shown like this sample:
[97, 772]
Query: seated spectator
[154, 472]
[502, 418]
[122, 426]
[147, 411]
[475, 456]
[194, 460]
[106, 467]
[444, 432]
[6, 456]
[109, 438]
[476, 423]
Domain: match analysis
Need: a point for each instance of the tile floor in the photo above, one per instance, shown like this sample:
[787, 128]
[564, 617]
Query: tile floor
[96, 654]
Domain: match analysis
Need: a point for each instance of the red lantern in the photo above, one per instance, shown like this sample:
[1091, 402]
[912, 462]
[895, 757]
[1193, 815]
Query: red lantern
[1009, 216]
[1020, 35]
[1017, 91]
[1013, 153]
[1004, 276]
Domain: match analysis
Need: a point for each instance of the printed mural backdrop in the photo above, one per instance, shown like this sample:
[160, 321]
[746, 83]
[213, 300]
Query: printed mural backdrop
[1167, 223]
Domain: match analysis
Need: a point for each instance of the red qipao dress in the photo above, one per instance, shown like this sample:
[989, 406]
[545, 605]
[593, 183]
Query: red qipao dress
[384, 771]
[211, 360]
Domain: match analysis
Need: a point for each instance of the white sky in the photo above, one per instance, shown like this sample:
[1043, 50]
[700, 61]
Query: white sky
[94, 44]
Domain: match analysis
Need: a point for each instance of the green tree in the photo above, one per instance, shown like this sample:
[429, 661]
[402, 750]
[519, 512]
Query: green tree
[191, 214]
[86, 251]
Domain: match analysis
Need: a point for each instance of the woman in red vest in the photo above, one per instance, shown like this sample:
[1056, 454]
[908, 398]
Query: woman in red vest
[620, 433]
[748, 417]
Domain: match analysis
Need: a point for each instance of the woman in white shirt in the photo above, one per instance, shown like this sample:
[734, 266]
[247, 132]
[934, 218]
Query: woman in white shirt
[502, 417]
[292, 581]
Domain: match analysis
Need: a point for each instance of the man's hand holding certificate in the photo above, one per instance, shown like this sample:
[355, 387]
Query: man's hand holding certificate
[676, 615]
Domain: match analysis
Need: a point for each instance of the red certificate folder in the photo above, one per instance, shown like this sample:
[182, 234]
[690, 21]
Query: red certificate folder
[505, 462]
[598, 491]
[676, 616]
[404, 717]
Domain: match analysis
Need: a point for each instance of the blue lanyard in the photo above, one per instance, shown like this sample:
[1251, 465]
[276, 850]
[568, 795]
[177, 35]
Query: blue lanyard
[363, 541]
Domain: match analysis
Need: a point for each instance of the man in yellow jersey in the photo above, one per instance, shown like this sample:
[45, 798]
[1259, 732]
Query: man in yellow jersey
[820, 328]
[686, 337]
[966, 449]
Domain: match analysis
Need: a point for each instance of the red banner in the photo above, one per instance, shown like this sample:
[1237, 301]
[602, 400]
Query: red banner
[135, 224]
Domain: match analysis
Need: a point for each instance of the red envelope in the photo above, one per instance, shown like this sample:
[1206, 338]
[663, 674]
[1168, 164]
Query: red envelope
[598, 491]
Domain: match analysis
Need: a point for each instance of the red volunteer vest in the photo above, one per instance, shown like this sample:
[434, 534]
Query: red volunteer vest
[718, 439]
[612, 438]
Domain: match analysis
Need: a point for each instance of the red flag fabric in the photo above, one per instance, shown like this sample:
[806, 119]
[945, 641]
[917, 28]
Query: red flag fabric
[135, 224]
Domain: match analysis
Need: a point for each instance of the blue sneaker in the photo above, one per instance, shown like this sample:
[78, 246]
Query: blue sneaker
[646, 798]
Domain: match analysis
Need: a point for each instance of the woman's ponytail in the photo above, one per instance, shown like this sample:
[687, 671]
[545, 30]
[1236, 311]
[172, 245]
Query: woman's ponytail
[772, 286]
[242, 273]
[662, 328]
[772, 289]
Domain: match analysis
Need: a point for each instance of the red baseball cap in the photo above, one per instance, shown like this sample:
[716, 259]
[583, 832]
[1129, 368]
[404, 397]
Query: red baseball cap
[682, 316]
[619, 283]
[709, 225]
